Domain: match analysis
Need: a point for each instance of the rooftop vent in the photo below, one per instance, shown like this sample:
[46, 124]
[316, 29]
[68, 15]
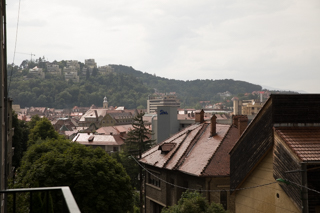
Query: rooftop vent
[90, 139]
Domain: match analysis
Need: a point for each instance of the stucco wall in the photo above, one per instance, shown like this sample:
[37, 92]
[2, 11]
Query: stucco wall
[267, 199]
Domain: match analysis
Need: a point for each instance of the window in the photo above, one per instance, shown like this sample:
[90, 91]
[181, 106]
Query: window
[115, 149]
[224, 199]
[156, 208]
[153, 180]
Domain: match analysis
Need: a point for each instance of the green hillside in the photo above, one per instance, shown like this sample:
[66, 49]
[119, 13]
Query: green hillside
[123, 87]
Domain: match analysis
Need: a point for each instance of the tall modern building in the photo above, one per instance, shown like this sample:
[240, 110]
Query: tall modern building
[167, 100]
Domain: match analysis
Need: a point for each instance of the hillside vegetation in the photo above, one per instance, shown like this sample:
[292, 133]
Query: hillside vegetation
[123, 87]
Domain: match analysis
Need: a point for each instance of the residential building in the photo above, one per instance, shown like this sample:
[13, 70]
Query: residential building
[109, 143]
[90, 63]
[71, 76]
[246, 107]
[36, 73]
[67, 123]
[281, 143]
[105, 69]
[53, 69]
[167, 100]
[73, 63]
[195, 158]
[105, 117]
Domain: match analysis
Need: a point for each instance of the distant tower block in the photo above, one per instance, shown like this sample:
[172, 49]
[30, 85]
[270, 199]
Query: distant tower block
[105, 103]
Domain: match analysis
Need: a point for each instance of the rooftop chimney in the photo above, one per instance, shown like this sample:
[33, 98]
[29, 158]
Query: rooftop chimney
[213, 130]
[242, 124]
[199, 116]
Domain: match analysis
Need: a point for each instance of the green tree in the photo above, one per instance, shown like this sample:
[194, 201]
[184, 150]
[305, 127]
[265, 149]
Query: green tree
[139, 138]
[194, 202]
[19, 139]
[34, 119]
[42, 130]
[98, 182]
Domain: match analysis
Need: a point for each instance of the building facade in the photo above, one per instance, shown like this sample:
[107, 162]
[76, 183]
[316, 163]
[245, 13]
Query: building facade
[167, 100]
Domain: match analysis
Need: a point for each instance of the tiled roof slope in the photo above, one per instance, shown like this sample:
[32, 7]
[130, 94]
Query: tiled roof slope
[219, 165]
[194, 149]
[304, 141]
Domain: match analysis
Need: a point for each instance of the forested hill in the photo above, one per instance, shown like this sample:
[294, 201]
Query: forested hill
[189, 92]
[123, 87]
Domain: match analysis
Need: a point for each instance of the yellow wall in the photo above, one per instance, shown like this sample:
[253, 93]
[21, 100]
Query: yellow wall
[263, 199]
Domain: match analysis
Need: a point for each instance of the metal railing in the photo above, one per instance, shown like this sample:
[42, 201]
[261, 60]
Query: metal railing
[67, 194]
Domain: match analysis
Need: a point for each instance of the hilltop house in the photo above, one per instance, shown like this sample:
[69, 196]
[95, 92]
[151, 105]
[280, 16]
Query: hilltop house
[281, 143]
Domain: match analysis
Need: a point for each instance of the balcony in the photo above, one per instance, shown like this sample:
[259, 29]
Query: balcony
[69, 204]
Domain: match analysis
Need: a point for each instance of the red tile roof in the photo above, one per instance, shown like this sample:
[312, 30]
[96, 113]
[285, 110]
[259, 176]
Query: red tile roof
[194, 151]
[304, 141]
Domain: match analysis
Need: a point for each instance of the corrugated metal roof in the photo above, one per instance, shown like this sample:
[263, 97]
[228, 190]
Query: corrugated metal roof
[304, 141]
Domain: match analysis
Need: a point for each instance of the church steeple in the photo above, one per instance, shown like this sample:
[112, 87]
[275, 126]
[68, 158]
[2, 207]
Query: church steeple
[105, 103]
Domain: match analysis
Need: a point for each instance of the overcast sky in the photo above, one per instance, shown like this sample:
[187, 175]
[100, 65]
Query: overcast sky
[273, 43]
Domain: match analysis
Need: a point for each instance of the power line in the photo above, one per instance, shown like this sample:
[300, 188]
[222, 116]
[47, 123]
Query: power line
[297, 184]
[203, 190]
[15, 46]
[251, 187]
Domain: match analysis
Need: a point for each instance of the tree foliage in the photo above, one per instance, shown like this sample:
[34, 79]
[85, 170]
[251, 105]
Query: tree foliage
[194, 202]
[43, 129]
[139, 138]
[137, 141]
[98, 182]
[124, 87]
[19, 139]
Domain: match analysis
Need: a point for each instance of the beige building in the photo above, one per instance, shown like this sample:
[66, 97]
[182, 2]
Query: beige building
[71, 76]
[246, 107]
[277, 157]
[53, 69]
[167, 100]
[90, 63]
[105, 69]
[36, 73]
[73, 63]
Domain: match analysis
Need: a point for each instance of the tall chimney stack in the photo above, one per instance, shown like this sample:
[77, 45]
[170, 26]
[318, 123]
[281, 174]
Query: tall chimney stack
[213, 130]
[199, 116]
[242, 124]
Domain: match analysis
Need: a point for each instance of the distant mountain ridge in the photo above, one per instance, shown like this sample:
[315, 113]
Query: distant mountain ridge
[189, 91]
[123, 87]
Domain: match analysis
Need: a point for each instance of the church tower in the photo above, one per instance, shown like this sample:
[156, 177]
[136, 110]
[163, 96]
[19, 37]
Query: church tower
[105, 103]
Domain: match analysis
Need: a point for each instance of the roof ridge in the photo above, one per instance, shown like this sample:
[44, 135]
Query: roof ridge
[205, 167]
[192, 143]
[186, 135]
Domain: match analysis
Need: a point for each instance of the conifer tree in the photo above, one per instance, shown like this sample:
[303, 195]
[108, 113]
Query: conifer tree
[139, 138]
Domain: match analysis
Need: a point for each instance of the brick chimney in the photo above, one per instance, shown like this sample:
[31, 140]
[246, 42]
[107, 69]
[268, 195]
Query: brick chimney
[213, 130]
[242, 124]
[199, 116]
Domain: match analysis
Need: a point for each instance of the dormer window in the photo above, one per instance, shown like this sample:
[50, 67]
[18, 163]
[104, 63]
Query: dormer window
[166, 147]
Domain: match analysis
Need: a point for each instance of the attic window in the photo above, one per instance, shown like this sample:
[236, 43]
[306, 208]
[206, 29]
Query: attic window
[90, 139]
[166, 147]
